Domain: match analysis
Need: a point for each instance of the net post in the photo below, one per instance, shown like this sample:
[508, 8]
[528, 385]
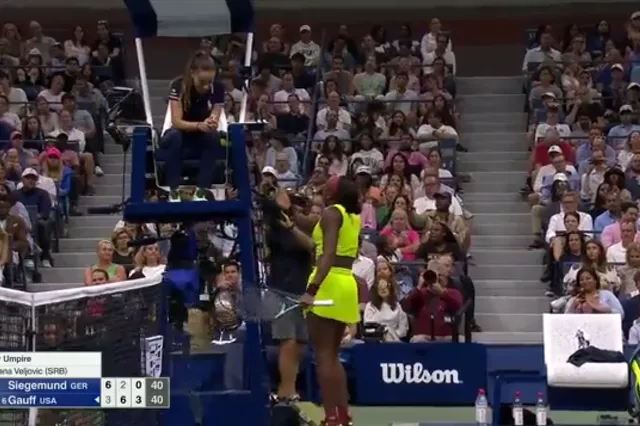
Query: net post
[33, 412]
[253, 360]
[144, 83]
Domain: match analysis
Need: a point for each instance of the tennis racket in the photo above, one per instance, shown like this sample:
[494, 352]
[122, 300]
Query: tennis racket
[276, 303]
[273, 305]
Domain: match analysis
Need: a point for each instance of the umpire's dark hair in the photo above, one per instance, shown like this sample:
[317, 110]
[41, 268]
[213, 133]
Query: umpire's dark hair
[348, 195]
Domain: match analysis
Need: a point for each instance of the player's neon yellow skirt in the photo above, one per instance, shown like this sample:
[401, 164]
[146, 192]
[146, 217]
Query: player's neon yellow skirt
[341, 287]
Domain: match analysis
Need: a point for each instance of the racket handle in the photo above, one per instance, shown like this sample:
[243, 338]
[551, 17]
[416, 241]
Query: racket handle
[327, 302]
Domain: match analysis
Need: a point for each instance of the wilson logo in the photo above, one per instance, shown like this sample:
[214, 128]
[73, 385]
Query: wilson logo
[406, 373]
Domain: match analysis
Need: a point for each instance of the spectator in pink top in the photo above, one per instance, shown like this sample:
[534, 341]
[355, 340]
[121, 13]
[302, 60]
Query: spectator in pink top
[611, 233]
[402, 236]
[409, 149]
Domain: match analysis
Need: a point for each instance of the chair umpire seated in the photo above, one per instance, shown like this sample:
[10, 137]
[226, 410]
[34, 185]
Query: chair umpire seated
[601, 385]
[195, 103]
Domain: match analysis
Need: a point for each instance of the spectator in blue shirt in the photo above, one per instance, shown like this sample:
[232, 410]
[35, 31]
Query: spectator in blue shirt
[596, 41]
[196, 102]
[596, 142]
[572, 179]
[618, 134]
[38, 202]
[610, 216]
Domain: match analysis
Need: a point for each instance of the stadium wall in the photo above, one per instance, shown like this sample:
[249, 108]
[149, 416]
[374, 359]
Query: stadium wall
[471, 26]
[449, 374]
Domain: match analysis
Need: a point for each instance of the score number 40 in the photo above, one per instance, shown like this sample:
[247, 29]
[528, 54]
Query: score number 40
[156, 385]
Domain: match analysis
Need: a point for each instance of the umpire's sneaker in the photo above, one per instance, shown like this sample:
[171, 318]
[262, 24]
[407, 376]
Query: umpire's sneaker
[174, 197]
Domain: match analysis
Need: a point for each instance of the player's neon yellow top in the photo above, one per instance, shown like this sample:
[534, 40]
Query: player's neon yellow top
[347, 235]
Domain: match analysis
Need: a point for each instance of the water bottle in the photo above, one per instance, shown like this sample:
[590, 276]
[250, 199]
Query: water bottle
[517, 411]
[541, 410]
[482, 409]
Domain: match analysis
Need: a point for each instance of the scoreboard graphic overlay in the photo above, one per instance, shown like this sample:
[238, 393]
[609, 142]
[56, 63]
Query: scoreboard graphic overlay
[73, 380]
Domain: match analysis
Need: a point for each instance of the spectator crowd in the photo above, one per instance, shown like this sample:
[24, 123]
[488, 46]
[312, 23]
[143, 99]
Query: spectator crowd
[379, 111]
[583, 89]
[53, 102]
[375, 109]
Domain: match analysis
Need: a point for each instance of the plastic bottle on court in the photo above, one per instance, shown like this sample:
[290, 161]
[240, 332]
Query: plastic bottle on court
[517, 410]
[541, 410]
[482, 409]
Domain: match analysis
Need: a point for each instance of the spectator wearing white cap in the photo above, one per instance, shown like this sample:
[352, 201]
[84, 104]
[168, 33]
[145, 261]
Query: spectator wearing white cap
[552, 121]
[632, 96]
[563, 174]
[32, 196]
[427, 202]
[545, 85]
[548, 100]
[611, 82]
[369, 154]
[558, 164]
[307, 47]
[284, 177]
[554, 185]
[618, 134]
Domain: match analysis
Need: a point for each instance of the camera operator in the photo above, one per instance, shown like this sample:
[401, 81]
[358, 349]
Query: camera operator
[430, 303]
[291, 256]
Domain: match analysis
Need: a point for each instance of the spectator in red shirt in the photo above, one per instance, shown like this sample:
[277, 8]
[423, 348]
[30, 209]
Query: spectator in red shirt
[550, 144]
[434, 298]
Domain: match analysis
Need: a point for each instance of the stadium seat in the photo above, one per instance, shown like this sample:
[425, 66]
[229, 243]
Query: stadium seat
[561, 340]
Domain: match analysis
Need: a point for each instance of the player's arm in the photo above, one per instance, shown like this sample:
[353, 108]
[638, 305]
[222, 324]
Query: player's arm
[217, 99]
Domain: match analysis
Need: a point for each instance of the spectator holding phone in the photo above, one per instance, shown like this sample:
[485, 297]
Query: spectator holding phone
[196, 103]
[590, 298]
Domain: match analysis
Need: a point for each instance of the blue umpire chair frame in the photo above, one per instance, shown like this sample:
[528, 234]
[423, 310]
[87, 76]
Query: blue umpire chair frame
[249, 405]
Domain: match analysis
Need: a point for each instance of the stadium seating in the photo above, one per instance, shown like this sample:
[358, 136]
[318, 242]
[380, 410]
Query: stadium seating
[483, 160]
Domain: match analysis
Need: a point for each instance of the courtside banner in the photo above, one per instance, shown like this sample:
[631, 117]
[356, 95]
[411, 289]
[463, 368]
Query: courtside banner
[418, 373]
